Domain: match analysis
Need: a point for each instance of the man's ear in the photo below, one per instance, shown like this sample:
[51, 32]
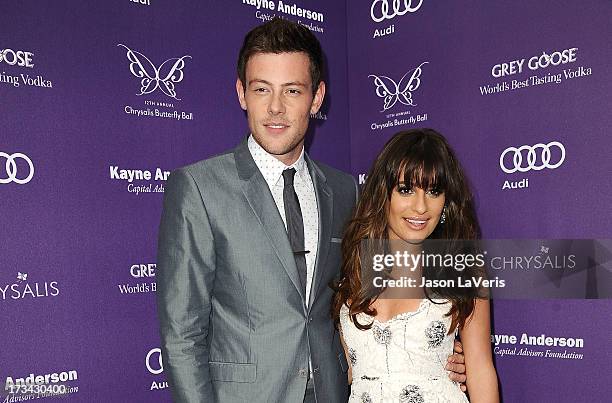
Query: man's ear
[317, 101]
[240, 92]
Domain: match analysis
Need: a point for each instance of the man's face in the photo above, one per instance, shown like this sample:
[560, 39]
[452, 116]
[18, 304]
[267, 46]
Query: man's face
[278, 99]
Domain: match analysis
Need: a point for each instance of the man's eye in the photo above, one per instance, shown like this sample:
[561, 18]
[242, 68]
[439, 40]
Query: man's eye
[293, 91]
[260, 89]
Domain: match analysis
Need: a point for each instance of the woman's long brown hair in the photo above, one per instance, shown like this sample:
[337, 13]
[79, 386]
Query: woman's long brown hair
[426, 160]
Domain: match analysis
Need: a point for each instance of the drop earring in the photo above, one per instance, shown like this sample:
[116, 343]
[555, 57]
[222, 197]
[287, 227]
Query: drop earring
[443, 216]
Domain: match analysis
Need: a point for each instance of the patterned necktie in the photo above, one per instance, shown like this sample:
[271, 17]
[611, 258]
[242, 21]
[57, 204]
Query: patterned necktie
[295, 225]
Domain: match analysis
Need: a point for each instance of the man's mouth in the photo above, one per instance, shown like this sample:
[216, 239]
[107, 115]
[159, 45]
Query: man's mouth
[276, 125]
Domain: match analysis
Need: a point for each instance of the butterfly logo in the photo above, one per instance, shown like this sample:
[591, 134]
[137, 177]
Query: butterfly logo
[401, 92]
[22, 276]
[163, 77]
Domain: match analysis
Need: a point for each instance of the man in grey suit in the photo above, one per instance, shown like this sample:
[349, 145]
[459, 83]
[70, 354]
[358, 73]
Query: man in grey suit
[249, 241]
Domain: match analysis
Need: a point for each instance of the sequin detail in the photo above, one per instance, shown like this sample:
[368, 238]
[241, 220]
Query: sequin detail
[435, 333]
[382, 336]
[411, 394]
[365, 398]
[352, 356]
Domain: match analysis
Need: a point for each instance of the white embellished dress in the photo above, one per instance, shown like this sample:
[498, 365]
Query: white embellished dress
[402, 360]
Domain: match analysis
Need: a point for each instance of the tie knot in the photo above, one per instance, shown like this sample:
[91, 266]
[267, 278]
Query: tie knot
[288, 175]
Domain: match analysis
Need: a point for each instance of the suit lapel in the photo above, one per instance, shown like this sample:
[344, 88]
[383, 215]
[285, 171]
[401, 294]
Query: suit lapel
[262, 203]
[325, 203]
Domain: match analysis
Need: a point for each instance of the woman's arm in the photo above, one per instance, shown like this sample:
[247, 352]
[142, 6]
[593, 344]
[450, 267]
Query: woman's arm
[476, 339]
[350, 366]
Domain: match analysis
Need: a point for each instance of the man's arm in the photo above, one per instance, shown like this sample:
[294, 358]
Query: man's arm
[456, 364]
[185, 275]
[356, 189]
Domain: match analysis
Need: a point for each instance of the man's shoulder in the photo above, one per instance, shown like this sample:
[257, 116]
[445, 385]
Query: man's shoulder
[209, 167]
[334, 175]
[342, 184]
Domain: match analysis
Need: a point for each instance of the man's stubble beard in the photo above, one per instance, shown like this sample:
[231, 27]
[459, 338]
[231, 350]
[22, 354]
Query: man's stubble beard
[274, 148]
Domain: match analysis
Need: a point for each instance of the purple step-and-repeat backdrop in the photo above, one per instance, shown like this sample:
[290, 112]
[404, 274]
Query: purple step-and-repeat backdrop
[522, 91]
[100, 100]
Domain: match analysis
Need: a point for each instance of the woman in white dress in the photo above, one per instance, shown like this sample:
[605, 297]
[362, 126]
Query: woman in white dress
[396, 347]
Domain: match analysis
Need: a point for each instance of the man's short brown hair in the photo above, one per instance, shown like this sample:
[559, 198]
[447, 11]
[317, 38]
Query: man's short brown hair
[282, 36]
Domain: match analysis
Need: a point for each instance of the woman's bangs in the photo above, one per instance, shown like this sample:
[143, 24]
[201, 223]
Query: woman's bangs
[425, 170]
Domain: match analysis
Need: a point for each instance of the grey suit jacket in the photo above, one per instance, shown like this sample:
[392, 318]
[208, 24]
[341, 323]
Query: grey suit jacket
[234, 326]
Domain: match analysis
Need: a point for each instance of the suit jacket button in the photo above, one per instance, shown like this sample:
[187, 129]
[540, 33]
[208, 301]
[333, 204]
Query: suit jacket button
[303, 372]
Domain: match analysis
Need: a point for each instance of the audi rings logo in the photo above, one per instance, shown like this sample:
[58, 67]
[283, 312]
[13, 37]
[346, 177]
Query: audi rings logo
[532, 162]
[381, 9]
[12, 175]
[155, 365]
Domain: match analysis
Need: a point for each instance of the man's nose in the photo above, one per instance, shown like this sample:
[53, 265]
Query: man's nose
[276, 105]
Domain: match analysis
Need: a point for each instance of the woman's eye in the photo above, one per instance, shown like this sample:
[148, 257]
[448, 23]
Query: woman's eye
[434, 192]
[405, 190]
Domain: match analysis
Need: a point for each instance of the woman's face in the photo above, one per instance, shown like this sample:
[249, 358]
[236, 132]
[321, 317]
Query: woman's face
[414, 212]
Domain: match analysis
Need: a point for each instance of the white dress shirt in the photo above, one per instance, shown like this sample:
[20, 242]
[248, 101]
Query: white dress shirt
[272, 171]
